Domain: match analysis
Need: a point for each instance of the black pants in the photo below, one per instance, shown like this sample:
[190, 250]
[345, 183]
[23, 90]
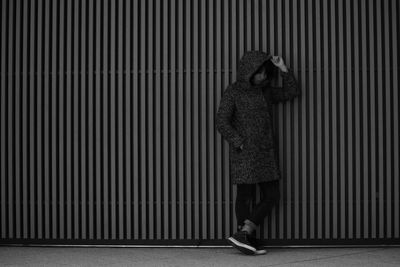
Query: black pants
[270, 196]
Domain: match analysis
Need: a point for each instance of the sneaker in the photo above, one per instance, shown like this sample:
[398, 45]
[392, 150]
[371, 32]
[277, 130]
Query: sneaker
[240, 240]
[257, 245]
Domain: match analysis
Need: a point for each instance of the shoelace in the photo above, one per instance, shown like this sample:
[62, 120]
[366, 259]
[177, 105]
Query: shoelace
[250, 239]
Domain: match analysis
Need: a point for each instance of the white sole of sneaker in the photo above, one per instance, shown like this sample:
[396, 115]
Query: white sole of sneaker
[240, 244]
[260, 252]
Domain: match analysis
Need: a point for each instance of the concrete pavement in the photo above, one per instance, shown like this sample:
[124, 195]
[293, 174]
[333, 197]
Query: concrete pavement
[192, 257]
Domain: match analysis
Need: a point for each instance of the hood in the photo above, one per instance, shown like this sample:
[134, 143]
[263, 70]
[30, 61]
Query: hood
[250, 62]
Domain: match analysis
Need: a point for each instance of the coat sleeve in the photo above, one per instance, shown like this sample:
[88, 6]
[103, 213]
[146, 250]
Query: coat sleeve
[288, 91]
[224, 117]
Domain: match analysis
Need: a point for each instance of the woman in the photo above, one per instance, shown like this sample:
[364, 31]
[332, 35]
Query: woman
[244, 120]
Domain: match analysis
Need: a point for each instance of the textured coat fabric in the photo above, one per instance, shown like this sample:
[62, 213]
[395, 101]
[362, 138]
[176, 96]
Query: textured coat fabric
[244, 117]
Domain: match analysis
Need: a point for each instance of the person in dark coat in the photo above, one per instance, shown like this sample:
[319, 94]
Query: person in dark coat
[244, 119]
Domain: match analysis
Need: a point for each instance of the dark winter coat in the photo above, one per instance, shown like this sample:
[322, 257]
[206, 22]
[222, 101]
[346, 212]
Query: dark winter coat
[244, 117]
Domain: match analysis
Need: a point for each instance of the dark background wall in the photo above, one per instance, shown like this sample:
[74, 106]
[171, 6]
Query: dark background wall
[107, 115]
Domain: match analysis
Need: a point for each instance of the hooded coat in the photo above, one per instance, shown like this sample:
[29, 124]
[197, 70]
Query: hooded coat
[244, 117]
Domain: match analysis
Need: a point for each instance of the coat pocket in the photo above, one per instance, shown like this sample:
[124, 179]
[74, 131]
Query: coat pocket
[237, 154]
[244, 144]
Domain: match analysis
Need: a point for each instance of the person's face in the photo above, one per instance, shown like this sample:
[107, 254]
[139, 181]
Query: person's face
[260, 76]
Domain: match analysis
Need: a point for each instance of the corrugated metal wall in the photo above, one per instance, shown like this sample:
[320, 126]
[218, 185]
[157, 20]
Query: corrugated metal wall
[108, 108]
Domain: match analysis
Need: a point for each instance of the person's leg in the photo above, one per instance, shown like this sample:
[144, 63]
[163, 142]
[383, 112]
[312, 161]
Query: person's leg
[242, 239]
[244, 195]
[270, 195]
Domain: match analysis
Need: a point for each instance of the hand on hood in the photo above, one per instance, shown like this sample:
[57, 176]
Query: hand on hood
[278, 61]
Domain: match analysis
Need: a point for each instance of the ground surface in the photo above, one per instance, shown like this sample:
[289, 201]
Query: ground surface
[73, 256]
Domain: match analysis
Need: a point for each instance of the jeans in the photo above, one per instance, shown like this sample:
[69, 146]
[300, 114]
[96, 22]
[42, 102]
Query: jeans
[270, 196]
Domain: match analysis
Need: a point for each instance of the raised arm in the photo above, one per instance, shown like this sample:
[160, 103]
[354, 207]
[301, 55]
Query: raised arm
[288, 91]
[224, 117]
